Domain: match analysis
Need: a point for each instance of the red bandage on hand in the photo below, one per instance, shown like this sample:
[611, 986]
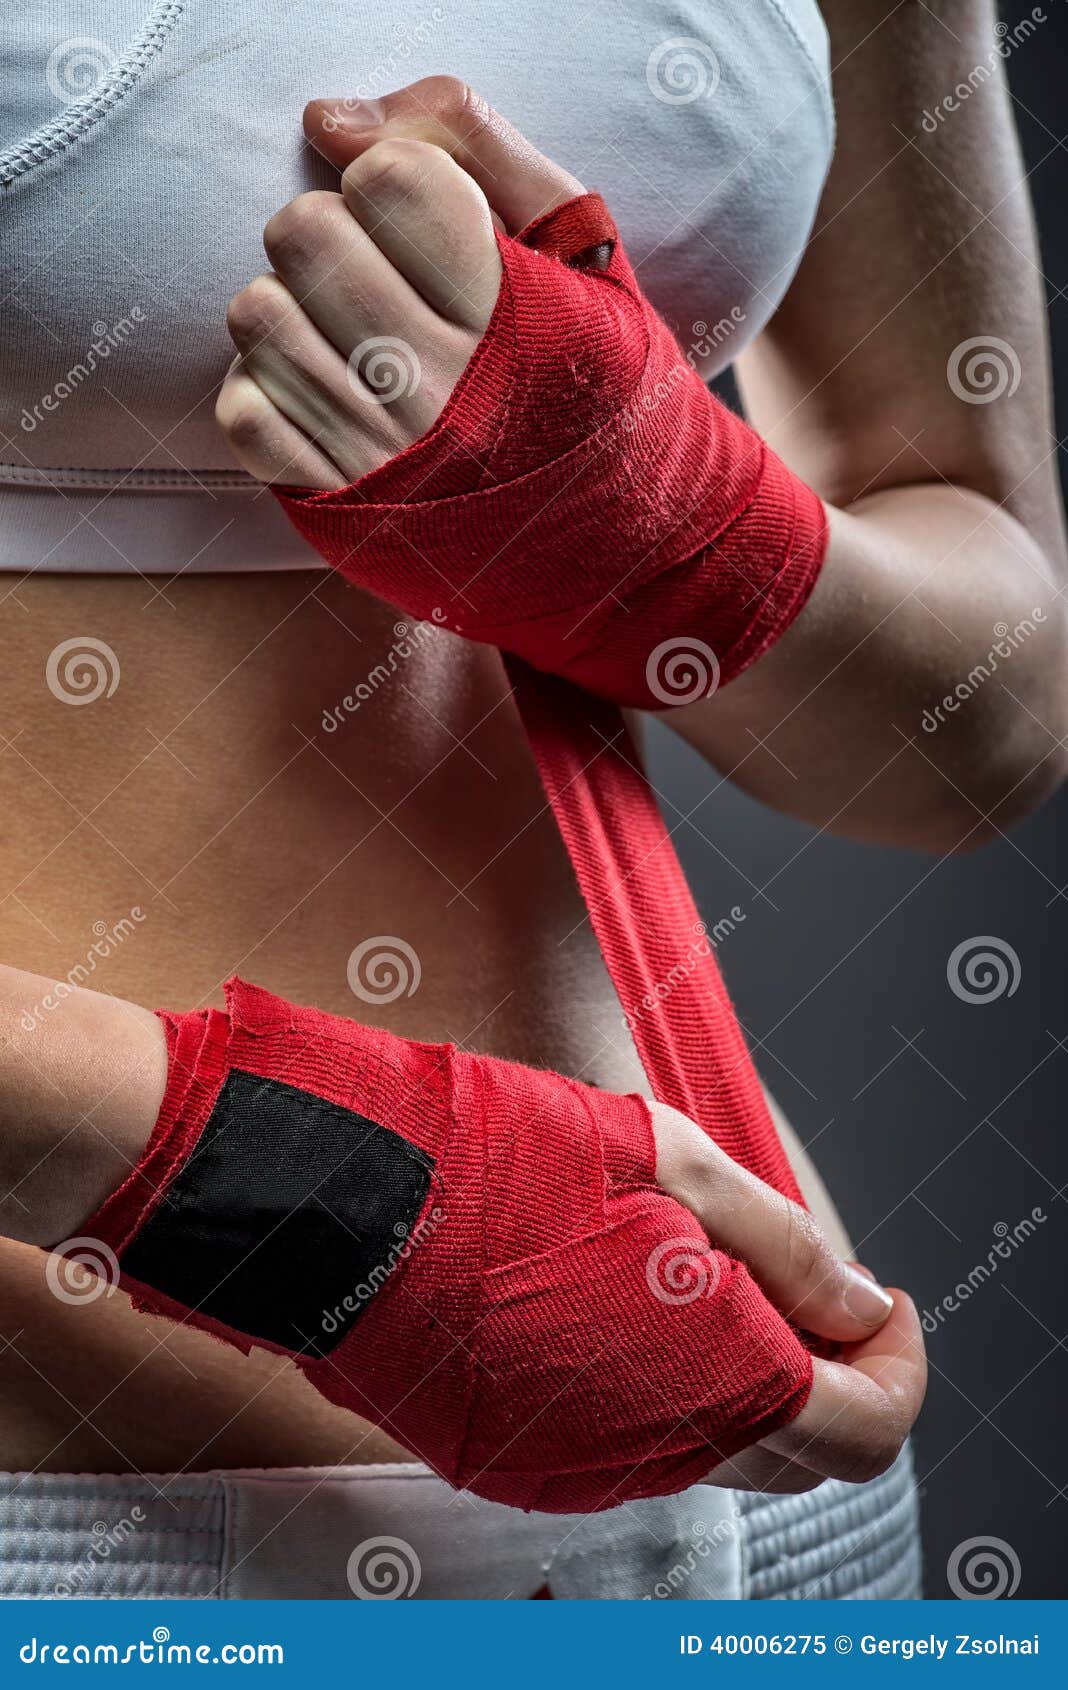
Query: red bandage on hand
[473, 1254]
[583, 501]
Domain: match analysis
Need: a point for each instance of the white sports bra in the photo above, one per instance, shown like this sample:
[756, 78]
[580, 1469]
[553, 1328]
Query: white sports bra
[144, 145]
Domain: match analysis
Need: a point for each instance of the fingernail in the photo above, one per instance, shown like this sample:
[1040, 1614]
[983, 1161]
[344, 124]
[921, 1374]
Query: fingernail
[351, 113]
[865, 1298]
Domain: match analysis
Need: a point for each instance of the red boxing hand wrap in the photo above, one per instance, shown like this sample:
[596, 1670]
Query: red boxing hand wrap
[583, 501]
[473, 1254]
[657, 951]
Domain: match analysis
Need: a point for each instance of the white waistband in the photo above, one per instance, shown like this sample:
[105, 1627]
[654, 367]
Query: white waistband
[154, 527]
[371, 1532]
[385, 1532]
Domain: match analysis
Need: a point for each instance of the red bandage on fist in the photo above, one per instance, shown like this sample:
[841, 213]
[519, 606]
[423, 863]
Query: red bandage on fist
[583, 501]
[473, 1254]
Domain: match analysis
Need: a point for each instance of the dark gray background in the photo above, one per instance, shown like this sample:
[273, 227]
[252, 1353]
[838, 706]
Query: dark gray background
[933, 1120]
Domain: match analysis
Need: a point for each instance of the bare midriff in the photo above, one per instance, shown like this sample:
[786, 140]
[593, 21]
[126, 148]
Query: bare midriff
[203, 820]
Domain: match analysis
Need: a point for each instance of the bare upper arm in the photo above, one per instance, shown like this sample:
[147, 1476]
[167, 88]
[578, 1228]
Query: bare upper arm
[924, 242]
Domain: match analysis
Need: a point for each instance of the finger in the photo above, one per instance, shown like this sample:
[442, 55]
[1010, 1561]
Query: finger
[519, 182]
[264, 443]
[432, 223]
[782, 1244]
[332, 267]
[860, 1411]
[308, 381]
[760, 1469]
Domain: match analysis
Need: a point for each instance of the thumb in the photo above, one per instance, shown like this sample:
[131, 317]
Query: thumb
[785, 1249]
[519, 182]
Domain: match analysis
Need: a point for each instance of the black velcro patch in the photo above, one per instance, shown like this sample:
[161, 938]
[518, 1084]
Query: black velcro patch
[287, 1218]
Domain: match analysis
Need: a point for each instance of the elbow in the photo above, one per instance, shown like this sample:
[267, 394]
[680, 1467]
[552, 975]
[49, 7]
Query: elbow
[1006, 752]
[1020, 789]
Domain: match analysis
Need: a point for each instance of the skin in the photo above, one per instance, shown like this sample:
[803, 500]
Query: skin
[411, 241]
[946, 517]
[107, 1060]
[408, 249]
[205, 795]
[249, 663]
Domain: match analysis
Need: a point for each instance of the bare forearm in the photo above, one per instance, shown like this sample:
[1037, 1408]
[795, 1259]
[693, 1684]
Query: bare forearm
[905, 378]
[81, 1078]
[921, 696]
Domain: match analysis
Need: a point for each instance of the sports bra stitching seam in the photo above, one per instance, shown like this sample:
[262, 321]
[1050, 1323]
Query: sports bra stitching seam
[82, 114]
[33, 475]
[822, 79]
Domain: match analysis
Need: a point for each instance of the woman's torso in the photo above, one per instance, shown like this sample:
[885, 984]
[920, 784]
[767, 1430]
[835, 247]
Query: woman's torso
[277, 775]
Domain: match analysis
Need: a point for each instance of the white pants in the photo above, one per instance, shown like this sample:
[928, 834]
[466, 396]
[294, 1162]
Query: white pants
[398, 1531]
